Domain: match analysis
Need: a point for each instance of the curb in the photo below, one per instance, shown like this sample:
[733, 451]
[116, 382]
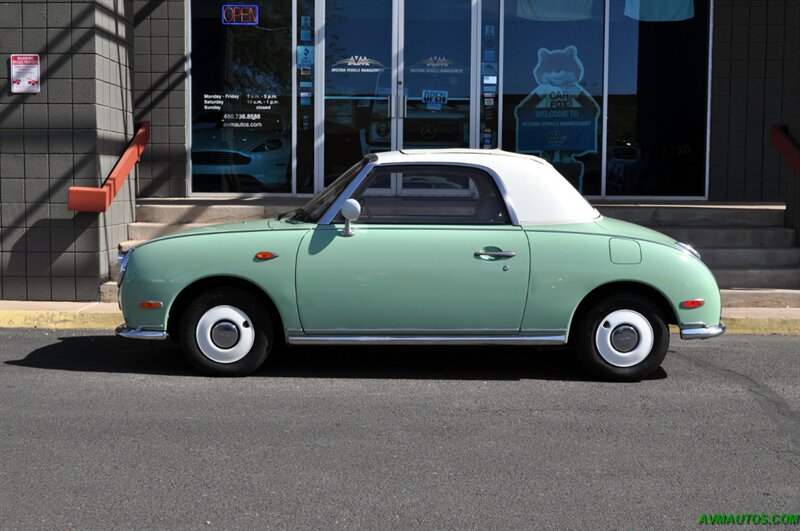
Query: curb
[60, 320]
[109, 320]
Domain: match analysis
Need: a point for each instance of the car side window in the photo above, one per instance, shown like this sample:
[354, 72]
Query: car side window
[430, 194]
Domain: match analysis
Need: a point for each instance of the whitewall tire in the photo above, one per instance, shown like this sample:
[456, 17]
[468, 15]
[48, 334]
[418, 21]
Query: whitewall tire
[623, 338]
[226, 332]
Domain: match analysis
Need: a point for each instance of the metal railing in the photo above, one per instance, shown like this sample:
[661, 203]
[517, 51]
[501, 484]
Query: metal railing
[791, 189]
[93, 199]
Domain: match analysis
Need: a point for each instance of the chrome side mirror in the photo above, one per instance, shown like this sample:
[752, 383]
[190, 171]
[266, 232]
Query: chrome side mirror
[351, 209]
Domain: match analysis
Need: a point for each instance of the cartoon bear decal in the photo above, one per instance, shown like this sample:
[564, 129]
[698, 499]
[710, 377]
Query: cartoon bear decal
[558, 119]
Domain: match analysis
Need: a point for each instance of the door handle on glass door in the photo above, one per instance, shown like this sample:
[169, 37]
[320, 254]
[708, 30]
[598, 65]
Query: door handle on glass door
[497, 255]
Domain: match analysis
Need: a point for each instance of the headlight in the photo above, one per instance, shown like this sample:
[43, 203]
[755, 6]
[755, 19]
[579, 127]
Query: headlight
[269, 145]
[689, 248]
[123, 258]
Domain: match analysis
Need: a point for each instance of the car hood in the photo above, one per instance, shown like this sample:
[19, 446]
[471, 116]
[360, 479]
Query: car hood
[241, 226]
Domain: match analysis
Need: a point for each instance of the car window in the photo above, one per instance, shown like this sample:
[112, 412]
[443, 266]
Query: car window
[430, 194]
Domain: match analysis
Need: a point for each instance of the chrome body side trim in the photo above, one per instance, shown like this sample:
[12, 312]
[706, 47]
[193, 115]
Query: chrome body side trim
[426, 340]
[405, 331]
[703, 331]
[143, 332]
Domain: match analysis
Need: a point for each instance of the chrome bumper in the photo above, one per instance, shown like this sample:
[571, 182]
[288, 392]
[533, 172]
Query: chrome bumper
[140, 333]
[702, 332]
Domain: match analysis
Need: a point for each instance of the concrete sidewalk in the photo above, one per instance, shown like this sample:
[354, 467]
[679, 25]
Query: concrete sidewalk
[106, 315]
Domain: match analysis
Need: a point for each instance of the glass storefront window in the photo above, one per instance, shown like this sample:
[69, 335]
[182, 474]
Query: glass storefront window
[241, 97]
[358, 81]
[658, 75]
[553, 85]
[490, 74]
[404, 74]
[305, 97]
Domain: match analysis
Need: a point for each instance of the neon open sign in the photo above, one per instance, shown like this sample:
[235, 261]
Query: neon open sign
[240, 14]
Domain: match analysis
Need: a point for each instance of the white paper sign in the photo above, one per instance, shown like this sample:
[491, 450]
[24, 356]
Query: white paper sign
[25, 73]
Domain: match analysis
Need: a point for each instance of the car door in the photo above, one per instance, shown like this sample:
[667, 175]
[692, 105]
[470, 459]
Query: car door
[432, 253]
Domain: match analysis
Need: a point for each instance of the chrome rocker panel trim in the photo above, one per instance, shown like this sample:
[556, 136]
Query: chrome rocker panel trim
[144, 332]
[426, 340]
[703, 331]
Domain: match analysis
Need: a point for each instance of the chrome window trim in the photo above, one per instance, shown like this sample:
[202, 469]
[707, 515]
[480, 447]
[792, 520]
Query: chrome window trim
[331, 213]
[336, 206]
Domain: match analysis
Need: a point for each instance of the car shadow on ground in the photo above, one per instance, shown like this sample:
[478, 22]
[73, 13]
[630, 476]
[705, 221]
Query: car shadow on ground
[114, 355]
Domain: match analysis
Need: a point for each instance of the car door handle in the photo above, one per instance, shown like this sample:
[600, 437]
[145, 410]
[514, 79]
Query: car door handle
[497, 255]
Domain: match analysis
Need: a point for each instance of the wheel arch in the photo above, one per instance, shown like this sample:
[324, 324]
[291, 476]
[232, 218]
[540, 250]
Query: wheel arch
[623, 287]
[191, 291]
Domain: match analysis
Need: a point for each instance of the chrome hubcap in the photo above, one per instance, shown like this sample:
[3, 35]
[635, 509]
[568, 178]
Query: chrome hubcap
[225, 334]
[624, 338]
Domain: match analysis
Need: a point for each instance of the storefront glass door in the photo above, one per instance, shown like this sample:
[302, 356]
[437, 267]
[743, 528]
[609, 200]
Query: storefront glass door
[397, 76]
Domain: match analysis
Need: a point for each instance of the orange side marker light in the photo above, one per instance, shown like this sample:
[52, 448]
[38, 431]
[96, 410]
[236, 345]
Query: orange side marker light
[265, 255]
[151, 305]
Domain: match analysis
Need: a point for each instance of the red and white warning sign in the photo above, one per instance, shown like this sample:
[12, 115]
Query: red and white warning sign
[25, 73]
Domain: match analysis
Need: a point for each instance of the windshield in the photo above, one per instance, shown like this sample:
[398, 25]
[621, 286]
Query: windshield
[320, 203]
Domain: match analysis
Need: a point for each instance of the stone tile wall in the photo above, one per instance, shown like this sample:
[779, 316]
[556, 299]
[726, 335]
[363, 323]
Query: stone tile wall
[71, 133]
[755, 84]
[160, 60]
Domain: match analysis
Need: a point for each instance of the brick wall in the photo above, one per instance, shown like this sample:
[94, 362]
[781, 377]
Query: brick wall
[160, 94]
[71, 133]
[755, 84]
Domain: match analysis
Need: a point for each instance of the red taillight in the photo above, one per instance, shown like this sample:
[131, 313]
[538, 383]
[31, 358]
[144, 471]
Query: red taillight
[693, 303]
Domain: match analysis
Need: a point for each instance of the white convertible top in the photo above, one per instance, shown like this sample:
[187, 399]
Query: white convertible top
[538, 193]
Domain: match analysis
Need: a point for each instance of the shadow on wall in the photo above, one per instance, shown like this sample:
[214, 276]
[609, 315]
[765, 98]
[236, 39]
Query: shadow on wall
[41, 231]
[50, 236]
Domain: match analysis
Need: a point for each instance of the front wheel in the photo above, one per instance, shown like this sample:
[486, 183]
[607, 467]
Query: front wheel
[622, 338]
[226, 332]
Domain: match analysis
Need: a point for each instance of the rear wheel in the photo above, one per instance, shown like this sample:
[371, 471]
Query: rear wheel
[226, 332]
[622, 338]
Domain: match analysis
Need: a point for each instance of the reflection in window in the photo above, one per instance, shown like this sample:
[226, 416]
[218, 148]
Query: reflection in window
[430, 194]
[553, 85]
[658, 74]
[241, 98]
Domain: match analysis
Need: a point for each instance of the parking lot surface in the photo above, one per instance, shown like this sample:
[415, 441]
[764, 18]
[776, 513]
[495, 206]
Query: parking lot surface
[100, 432]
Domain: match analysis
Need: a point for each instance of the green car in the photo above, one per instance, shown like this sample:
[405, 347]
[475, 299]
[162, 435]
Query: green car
[455, 247]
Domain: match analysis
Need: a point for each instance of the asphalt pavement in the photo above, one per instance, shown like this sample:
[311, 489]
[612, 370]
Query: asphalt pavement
[98, 432]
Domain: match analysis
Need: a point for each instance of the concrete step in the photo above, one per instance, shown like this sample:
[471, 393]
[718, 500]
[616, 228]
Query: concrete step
[113, 269]
[770, 278]
[148, 231]
[703, 214]
[127, 245]
[210, 213]
[755, 237]
[751, 257]
[213, 210]
[108, 291]
[760, 298]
